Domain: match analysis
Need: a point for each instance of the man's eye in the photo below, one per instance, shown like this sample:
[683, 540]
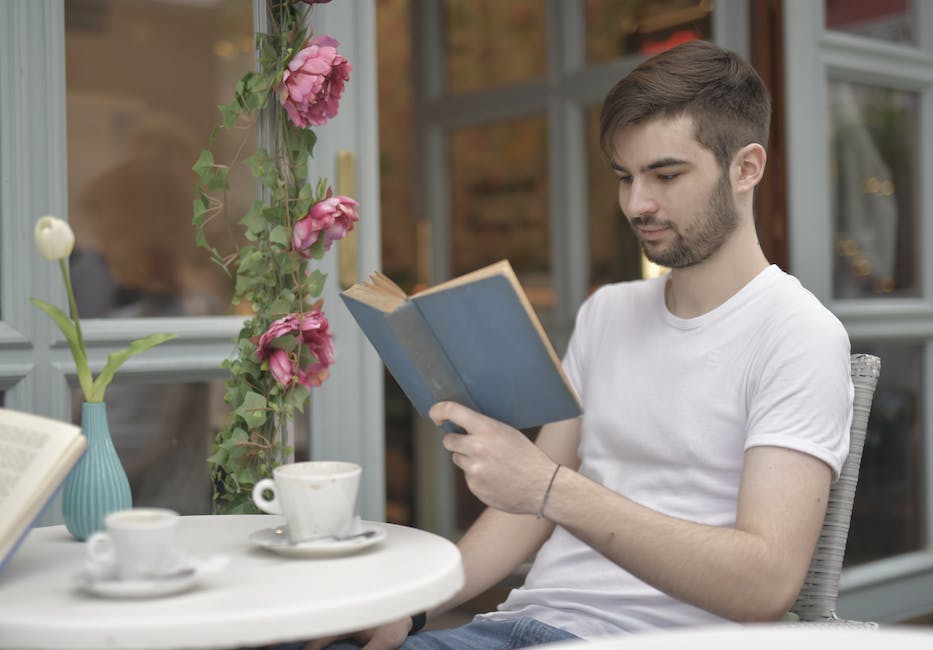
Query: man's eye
[667, 178]
[627, 180]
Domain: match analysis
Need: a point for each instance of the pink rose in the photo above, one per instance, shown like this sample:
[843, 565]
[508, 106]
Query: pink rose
[334, 217]
[313, 82]
[308, 362]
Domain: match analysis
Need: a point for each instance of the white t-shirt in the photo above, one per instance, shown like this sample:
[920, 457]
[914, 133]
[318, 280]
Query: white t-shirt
[670, 406]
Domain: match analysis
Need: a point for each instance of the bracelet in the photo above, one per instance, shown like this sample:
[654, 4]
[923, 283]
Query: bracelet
[547, 492]
[417, 622]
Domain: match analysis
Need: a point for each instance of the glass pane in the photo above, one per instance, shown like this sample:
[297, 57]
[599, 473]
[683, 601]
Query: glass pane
[143, 83]
[494, 42]
[617, 29]
[163, 434]
[615, 254]
[874, 191]
[499, 203]
[888, 20]
[889, 513]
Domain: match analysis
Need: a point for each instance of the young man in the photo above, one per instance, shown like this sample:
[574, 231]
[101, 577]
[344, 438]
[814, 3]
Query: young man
[717, 401]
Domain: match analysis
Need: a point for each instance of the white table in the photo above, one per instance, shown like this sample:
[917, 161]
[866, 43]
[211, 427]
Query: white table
[805, 636]
[259, 598]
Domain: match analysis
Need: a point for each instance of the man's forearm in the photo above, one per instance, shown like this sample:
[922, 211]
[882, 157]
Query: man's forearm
[494, 546]
[750, 572]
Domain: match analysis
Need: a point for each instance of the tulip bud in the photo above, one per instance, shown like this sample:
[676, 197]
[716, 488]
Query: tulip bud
[54, 238]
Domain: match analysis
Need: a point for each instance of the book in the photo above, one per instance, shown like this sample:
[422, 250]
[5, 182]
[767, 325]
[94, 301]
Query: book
[474, 339]
[36, 454]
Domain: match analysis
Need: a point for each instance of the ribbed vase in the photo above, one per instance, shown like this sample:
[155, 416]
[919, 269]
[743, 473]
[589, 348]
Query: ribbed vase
[98, 484]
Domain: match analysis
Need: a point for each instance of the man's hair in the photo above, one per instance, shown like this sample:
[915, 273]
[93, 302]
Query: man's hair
[723, 95]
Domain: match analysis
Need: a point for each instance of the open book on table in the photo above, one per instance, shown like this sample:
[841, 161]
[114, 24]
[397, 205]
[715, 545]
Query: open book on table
[36, 454]
[474, 339]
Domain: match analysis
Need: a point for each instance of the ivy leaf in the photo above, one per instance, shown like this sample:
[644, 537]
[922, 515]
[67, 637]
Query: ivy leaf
[282, 236]
[253, 409]
[262, 166]
[211, 175]
[316, 281]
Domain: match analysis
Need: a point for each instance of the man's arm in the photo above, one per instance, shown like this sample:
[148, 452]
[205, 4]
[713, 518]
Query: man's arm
[498, 542]
[750, 572]
[494, 546]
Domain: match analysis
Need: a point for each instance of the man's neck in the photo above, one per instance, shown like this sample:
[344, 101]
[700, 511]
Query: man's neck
[696, 290]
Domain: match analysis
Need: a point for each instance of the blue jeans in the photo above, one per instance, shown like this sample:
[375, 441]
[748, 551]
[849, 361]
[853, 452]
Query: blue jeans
[479, 635]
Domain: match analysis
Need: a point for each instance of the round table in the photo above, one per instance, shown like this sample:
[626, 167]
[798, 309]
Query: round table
[259, 598]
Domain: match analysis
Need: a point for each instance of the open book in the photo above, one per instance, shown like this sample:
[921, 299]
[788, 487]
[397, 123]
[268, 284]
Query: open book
[36, 454]
[474, 340]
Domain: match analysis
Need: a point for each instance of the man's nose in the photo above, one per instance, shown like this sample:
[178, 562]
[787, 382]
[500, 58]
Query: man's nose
[640, 201]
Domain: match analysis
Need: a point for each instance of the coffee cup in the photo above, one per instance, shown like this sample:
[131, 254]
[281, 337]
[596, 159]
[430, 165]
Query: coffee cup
[317, 498]
[137, 543]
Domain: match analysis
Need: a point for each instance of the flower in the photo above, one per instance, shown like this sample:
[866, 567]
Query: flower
[55, 241]
[54, 238]
[334, 216]
[299, 348]
[313, 82]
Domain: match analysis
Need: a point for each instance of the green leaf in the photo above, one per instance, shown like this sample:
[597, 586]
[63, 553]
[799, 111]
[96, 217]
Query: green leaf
[70, 332]
[316, 281]
[117, 359]
[253, 409]
[282, 236]
[262, 166]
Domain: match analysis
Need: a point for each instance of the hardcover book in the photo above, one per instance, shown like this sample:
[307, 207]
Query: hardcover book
[474, 339]
[36, 454]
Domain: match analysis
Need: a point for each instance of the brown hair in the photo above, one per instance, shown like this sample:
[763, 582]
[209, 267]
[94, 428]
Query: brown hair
[723, 95]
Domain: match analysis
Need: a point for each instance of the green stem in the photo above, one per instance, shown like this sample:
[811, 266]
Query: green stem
[72, 304]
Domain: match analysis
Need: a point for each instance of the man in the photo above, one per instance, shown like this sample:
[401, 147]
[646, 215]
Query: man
[717, 401]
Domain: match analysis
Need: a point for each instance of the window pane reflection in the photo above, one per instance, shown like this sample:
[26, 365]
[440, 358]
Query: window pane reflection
[617, 29]
[889, 513]
[163, 434]
[888, 20]
[491, 43]
[143, 83]
[615, 254]
[873, 158]
[499, 203]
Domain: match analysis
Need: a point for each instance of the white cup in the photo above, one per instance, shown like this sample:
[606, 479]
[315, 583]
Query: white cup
[317, 498]
[136, 542]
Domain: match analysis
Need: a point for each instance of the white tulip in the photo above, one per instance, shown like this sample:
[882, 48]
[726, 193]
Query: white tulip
[54, 238]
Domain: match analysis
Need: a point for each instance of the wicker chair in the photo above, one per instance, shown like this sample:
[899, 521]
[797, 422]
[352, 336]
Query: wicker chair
[817, 599]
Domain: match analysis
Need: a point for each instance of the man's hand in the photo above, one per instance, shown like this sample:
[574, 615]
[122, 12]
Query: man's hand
[385, 637]
[502, 467]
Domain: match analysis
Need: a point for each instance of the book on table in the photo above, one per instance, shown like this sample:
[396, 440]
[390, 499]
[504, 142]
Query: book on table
[36, 454]
[474, 339]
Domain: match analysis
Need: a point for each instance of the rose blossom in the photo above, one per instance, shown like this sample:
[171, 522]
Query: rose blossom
[313, 82]
[334, 217]
[312, 333]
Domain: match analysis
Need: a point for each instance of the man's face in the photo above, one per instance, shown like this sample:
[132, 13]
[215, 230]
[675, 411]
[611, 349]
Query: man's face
[673, 193]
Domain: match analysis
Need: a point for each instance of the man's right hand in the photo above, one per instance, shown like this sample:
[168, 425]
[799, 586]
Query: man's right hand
[384, 637]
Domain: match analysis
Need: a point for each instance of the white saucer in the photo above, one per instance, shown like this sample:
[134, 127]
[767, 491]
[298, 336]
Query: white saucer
[276, 540]
[184, 574]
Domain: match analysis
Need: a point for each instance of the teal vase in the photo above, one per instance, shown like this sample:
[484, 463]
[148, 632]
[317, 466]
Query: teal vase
[98, 484]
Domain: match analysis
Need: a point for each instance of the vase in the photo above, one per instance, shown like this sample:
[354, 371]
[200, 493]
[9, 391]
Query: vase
[98, 484]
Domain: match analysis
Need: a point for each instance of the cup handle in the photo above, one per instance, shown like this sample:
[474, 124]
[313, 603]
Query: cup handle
[266, 505]
[99, 549]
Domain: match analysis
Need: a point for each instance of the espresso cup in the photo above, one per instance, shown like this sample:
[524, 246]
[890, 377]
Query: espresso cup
[136, 542]
[317, 498]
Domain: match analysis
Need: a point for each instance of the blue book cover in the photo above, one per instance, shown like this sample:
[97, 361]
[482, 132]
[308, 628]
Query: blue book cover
[475, 340]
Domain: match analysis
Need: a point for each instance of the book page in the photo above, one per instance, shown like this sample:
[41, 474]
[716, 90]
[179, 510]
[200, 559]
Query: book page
[379, 292]
[35, 456]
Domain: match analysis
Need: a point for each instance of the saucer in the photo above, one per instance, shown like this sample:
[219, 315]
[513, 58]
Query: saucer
[276, 540]
[186, 572]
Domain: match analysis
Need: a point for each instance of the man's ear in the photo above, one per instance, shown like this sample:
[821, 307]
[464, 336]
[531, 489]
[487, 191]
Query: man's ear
[748, 167]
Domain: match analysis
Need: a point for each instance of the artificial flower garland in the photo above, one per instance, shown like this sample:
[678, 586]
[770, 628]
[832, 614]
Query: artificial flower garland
[286, 348]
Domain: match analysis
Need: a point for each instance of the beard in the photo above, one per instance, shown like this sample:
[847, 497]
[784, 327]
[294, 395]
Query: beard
[701, 238]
